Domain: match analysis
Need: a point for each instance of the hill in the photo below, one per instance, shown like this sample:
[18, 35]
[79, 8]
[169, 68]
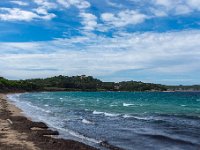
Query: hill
[75, 83]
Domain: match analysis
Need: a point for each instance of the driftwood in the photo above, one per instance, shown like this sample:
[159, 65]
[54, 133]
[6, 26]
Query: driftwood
[9, 121]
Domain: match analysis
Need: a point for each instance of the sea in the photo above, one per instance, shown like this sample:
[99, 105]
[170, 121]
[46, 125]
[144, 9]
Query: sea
[128, 120]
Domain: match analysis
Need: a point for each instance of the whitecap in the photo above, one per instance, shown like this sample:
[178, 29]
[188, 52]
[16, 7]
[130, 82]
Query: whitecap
[112, 105]
[142, 118]
[97, 112]
[80, 136]
[111, 115]
[183, 105]
[46, 105]
[128, 104]
[127, 116]
[37, 108]
[47, 111]
[105, 114]
[87, 121]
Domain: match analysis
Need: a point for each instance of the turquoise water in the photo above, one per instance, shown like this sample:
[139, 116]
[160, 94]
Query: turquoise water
[129, 120]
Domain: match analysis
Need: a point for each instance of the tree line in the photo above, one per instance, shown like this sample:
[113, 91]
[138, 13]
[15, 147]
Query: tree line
[82, 83]
[75, 83]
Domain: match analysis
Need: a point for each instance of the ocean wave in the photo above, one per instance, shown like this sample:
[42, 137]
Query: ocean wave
[13, 97]
[143, 118]
[78, 135]
[111, 114]
[170, 138]
[127, 116]
[38, 108]
[85, 121]
[113, 105]
[97, 112]
[105, 114]
[140, 117]
[128, 104]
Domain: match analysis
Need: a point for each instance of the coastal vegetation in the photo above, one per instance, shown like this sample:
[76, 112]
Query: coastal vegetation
[84, 83]
[16, 86]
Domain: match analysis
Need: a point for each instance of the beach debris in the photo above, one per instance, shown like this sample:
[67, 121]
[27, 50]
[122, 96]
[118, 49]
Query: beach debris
[4, 129]
[37, 128]
[9, 121]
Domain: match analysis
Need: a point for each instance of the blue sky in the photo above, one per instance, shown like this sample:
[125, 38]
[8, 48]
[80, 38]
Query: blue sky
[144, 40]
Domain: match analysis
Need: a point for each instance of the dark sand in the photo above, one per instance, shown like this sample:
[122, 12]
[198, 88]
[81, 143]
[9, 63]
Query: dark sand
[19, 133]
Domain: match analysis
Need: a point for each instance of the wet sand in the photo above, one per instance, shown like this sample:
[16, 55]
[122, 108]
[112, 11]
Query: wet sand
[20, 133]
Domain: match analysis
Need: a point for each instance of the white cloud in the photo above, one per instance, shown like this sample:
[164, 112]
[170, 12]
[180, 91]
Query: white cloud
[165, 3]
[16, 14]
[89, 21]
[158, 13]
[194, 4]
[65, 3]
[81, 4]
[112, 4]
[20, 3]
[45, 4]
[41, 10]
[123, 18]
[182, 9]
[178, 7]
[161, 52]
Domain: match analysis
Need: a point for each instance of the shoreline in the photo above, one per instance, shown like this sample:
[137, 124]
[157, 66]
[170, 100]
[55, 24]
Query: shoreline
[17, 132]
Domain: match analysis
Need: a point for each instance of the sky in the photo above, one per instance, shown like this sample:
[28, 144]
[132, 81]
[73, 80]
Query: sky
[142, 40]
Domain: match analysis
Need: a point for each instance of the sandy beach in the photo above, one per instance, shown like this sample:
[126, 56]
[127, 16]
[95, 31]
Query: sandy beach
[20, 133]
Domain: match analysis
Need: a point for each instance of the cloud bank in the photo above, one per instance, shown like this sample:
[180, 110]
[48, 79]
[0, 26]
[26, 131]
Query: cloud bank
[100, 56]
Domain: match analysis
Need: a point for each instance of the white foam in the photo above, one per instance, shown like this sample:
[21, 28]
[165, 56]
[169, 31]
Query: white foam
[113, 105]
[128, 104]
[78, 135]
[47, 111]
[13, 97]
[105, 114]
[111, 115]
[183, 105]
[142, 118]
[46, 105]
[97, 112]
[87, 121]
[127, 116]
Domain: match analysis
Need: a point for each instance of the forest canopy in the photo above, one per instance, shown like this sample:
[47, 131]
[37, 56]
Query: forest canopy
[84, 83]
